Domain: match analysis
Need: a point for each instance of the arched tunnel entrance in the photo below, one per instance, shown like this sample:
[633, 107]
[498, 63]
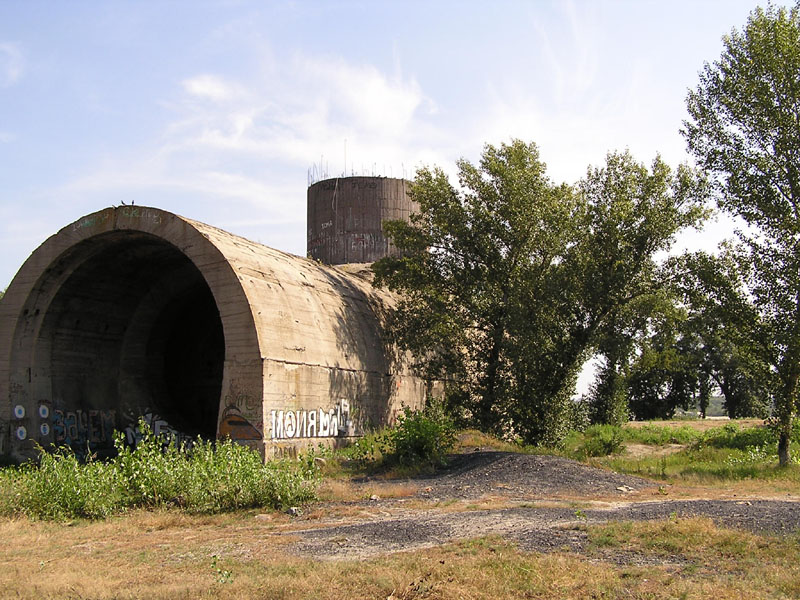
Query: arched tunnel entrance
[134, 312]
[133, 330]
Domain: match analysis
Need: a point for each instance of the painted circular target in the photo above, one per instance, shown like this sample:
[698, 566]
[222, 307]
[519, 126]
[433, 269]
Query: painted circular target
[44, 429]
[44, 411]
[22, 433]
[19, 411]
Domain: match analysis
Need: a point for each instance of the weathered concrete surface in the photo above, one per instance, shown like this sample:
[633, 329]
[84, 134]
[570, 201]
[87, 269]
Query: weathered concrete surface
[135, 311]
[346, 214]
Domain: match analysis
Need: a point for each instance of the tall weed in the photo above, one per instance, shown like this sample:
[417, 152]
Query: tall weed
[209, 477]
[61, 487]
[659, 435]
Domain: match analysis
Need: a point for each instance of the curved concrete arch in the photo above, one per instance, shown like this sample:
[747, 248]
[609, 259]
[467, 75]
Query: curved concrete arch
[135, 311]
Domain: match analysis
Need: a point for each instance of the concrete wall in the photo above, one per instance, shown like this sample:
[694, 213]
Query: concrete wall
[345, 216]
[134, 311]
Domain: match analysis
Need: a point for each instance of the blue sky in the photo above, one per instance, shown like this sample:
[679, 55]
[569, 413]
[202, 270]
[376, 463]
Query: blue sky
[216, 109]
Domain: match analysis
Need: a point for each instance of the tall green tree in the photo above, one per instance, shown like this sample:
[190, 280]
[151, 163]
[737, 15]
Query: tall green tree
[744, 129]
[729, 337]
[509, 281]
[621, 344]
[474, 257]
[703, 338]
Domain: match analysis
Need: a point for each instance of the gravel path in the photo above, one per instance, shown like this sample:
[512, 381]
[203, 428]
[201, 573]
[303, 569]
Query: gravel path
[393, 528]
[537, 529]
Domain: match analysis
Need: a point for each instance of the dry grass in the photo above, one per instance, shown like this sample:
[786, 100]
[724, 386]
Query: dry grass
[343, 490]
[167, 555]
[470, 439]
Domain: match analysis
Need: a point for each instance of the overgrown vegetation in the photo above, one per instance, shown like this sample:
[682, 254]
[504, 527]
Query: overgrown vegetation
[724, 453]
[727, 453]
[743, 132]
[419, 440]
[605, 440]
[209, 477]
[510, 282]
[742, 129]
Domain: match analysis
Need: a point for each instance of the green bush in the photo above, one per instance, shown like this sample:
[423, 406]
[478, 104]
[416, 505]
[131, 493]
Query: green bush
[418, 439]
[422, 437]
[209, 477]
[61, 487]
[596, 440]
[371, 448]
[660, 435]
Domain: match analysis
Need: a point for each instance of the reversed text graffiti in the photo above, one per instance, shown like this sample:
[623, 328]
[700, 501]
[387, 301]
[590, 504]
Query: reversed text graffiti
[333, 422]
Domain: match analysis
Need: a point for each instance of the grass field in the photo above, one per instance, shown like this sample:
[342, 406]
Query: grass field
[171, 556]
[166, 553]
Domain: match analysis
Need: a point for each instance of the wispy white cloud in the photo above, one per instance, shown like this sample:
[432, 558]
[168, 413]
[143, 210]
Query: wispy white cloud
[306, 108]
[212, 87]
[6, 137]
[11, 63]
[247, 143]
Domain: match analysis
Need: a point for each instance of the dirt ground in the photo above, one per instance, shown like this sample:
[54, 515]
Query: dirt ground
[543, 503]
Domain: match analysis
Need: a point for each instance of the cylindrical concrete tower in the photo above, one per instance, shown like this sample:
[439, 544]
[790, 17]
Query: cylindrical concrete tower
[345, 216]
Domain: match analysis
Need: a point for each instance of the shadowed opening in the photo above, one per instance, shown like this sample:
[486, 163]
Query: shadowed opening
[133, 330]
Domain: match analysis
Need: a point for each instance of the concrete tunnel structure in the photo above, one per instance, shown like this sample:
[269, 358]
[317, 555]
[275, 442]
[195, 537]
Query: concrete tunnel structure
[136, 312]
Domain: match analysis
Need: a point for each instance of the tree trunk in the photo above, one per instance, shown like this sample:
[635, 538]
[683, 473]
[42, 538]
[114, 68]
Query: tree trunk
[785, 411]
[783, 448]
[705, 396]
[487, 420]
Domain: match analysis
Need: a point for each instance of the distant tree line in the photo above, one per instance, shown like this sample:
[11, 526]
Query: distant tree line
[510, 282]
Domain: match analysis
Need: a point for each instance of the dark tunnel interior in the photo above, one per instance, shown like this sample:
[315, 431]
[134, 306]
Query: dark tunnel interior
[133, 330]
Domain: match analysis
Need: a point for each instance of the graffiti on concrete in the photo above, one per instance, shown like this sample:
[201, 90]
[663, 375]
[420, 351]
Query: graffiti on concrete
[130, 212]
[91, 221]
[160, 427]
[135, 212]
[82, 428]
[235, 425]
[334, 422]
[241, 400]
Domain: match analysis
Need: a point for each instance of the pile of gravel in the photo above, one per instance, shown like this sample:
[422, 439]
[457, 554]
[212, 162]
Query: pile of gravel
[515, 475]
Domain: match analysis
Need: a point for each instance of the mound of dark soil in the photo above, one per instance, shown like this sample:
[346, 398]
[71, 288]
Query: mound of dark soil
[524, 476]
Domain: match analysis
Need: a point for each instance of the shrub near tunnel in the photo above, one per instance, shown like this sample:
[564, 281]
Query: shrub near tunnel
[208, 477]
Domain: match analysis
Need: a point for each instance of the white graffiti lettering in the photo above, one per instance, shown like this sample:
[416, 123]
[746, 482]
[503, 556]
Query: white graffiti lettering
[288, 424]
